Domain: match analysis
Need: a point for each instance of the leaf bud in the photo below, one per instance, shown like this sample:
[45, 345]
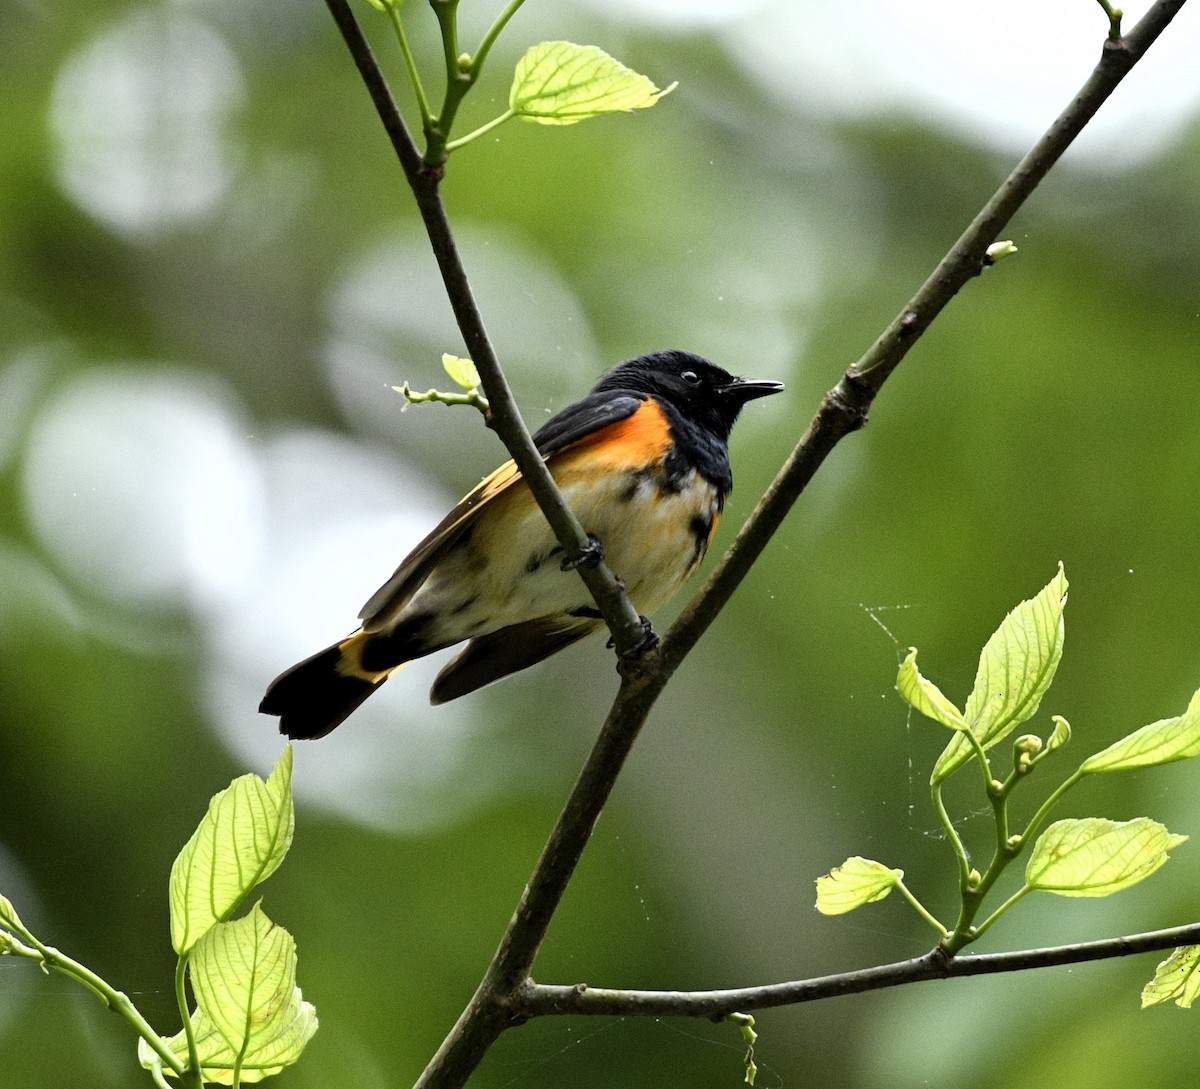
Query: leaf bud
[1024, 749]
[997, 251]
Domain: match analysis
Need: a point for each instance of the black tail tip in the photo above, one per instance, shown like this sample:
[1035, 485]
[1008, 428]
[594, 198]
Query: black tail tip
[313, 698]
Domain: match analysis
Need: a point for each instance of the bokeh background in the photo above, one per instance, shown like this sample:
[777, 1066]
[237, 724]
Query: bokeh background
[210, 276]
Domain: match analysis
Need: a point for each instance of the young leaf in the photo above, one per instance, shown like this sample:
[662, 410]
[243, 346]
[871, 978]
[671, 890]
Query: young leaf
[240, 842]
[1159, 743]
[855, 882]
[1060, 735]
[462, 371]
[1176, 978]
[10, 925]
[218, 1062]
[560, 83]
[1015, 669]
[745, 1022]
[9, 919]
[925, 696]
[1097, 857]
[244, 979]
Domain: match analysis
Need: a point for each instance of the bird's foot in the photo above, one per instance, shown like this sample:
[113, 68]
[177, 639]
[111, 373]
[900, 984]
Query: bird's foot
[590, 556]
[646, 644]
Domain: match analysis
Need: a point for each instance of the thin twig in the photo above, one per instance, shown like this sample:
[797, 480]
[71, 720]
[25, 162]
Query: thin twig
[537, 1000]
[502, 998]
[491, 1009]
[842, 411]
[48, 956]
[629, 634]
[852, 397]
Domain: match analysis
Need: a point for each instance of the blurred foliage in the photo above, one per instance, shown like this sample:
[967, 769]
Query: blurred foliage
[204, 293]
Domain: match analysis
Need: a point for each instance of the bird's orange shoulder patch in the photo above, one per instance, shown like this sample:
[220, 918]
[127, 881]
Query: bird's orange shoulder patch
[632, 443]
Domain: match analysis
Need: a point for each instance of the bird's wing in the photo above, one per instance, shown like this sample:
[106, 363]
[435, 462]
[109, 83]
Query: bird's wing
[569, 427]
[489, 657]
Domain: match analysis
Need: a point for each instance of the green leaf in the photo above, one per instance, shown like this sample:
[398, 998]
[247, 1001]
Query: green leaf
[855, 882]
[1175, 979]
[240, 842]
[244, 978]
[560, 83]
[10, 923]
[9, 919]
[925, 696]
[1060, 735]
[1159, 743]
[1097, 857]
[461, 371]
[218, 1061]
[1015, 669]
[745, 1022]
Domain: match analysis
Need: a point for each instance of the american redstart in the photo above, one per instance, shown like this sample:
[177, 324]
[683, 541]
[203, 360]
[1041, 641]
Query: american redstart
[643, 461]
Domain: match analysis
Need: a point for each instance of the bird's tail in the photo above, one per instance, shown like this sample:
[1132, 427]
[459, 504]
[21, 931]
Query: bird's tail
[318, 694]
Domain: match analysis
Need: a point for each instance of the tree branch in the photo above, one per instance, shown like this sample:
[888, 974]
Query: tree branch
[540, 1000]
[629, 634]
[505, 996]
[494, 1006]
[845, 407]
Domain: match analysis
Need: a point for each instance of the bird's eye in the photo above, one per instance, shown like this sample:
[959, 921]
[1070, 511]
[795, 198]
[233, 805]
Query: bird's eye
[691, 377]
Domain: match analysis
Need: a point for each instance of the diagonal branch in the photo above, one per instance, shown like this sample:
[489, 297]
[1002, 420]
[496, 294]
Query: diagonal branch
[496, 1004]
[505, 994]
[845, 407]
[538, 1000]
[504, 418]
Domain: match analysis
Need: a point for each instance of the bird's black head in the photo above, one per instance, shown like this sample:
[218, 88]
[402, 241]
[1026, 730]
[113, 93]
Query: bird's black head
[701, 390]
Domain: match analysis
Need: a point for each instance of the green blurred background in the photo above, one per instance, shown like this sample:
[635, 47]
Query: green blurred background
[211, 273]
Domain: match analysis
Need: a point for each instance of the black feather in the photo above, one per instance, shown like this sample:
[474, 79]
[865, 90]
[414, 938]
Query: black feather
[312, 697]
[487, 658]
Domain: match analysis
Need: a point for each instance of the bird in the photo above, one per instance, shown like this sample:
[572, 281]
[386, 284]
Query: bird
[642, 461]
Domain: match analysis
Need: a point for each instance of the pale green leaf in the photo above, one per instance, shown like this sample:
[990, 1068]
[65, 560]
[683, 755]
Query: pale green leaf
[855, 882]
[243, 974]
[240, 842]
[218, 1061]
[1175, 979]
[462, 371]
[10, 923]
[1159, 743]
[1015, 669]
[745, 1023]
[1097, 857]
[560, 83]
[1060, 735]
[9, 919]
[925, 696]
[148, 1057]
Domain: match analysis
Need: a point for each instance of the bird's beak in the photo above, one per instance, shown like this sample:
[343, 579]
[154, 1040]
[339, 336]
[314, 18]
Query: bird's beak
[747, 389]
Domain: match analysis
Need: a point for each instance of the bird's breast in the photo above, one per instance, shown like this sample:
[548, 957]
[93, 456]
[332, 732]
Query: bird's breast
[654, 522]
[655, 527]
